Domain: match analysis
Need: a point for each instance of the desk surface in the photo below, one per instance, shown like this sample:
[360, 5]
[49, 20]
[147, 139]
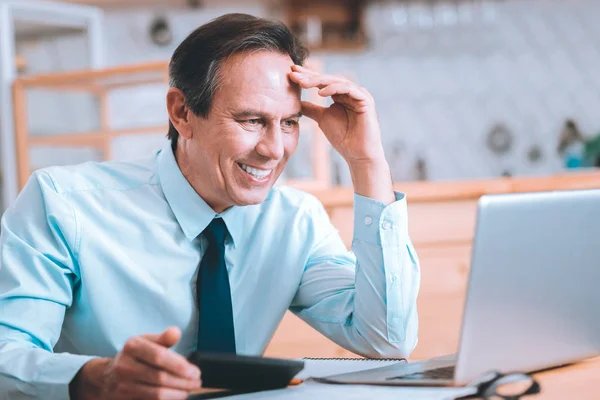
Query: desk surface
[580, 381]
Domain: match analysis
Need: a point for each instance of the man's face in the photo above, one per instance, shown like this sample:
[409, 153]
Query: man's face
[237, 153]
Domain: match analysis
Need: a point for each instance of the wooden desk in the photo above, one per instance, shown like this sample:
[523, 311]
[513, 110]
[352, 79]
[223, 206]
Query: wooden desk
[579, 381]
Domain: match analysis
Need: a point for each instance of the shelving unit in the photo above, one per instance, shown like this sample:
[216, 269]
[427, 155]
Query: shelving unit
[100, 83]
[328, 25]
[29, 20]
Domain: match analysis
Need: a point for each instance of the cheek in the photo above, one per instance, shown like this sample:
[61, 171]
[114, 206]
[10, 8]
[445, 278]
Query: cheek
[237, 143]
[290, 144]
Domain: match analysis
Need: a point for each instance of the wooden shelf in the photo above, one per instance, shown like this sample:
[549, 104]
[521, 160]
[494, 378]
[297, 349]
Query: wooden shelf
[433, 191]
[92, 139]
[145, 73]
[339, 24]
[99, 83]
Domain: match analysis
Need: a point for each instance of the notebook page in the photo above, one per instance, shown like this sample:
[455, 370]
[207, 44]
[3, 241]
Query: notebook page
[320, 368]
[319, 391]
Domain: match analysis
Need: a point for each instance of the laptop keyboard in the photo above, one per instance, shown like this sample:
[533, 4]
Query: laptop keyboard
[437, 373]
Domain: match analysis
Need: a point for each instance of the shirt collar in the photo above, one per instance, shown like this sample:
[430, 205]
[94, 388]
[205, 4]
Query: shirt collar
[191, 211]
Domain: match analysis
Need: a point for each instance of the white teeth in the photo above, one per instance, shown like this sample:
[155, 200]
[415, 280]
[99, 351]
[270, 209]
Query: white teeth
[257, 173]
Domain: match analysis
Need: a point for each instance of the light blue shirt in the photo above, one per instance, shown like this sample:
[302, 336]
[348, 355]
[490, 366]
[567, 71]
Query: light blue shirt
[97, 253]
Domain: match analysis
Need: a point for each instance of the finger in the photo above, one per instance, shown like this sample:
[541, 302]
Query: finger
[168, 338]
[133, 390]
[346, 88]
[156, 377]
[130, 370]
[312, 111]
[146, 351]
[365, 91]
[301, 68]
[310, 72]
[310, 81]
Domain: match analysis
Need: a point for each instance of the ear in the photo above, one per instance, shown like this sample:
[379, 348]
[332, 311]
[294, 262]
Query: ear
[179, 113]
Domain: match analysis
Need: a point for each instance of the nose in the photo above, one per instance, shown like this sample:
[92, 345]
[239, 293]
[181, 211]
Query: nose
[271, 143]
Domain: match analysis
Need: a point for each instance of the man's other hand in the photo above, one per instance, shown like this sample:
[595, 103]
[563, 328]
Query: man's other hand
[145, 369]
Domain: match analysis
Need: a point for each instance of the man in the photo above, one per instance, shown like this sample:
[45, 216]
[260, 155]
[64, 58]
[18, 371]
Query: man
[106, 266]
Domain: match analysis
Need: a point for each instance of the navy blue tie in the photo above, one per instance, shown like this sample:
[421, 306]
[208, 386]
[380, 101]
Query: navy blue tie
[215, 329]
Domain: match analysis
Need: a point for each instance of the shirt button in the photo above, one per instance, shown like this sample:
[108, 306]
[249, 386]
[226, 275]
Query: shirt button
[386, 226]
[368, 220]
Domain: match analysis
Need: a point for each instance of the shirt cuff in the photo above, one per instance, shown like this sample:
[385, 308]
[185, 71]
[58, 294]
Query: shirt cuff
[57, 374]
[372, 218]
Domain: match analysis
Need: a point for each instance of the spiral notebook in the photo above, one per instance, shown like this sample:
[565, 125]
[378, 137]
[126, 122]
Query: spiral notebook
[324, 367]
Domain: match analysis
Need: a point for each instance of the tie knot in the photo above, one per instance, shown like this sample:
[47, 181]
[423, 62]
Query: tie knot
[215, 232]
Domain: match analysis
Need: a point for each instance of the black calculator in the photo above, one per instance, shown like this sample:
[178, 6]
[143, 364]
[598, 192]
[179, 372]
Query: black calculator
[240, 373]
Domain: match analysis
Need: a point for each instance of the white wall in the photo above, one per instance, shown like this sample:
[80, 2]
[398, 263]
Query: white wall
[441, 77]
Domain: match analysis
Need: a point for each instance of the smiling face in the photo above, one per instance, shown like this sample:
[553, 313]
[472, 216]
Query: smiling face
[235, 154]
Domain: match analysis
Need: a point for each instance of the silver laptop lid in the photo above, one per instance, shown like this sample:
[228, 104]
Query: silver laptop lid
[534, 289]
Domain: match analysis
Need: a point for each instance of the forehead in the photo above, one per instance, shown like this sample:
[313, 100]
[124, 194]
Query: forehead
[258, 79]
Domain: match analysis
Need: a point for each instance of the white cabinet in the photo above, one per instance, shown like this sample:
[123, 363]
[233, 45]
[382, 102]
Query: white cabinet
[27, 20]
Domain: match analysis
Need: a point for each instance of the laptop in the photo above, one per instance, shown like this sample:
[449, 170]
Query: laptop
[533, 292]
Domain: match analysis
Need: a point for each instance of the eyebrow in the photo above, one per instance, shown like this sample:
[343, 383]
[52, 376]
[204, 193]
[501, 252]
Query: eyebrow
[248, 112]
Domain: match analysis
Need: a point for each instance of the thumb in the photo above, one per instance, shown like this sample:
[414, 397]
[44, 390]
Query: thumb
[168, 338]
[312, 110]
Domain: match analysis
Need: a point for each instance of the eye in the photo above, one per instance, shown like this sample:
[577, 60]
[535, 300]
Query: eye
[290, 123]
[252, 123]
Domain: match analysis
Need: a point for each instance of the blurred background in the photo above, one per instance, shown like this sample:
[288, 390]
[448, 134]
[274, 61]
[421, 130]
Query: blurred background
[465, 89]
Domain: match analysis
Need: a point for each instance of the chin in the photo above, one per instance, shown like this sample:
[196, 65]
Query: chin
[252, 198]
[244, 191]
